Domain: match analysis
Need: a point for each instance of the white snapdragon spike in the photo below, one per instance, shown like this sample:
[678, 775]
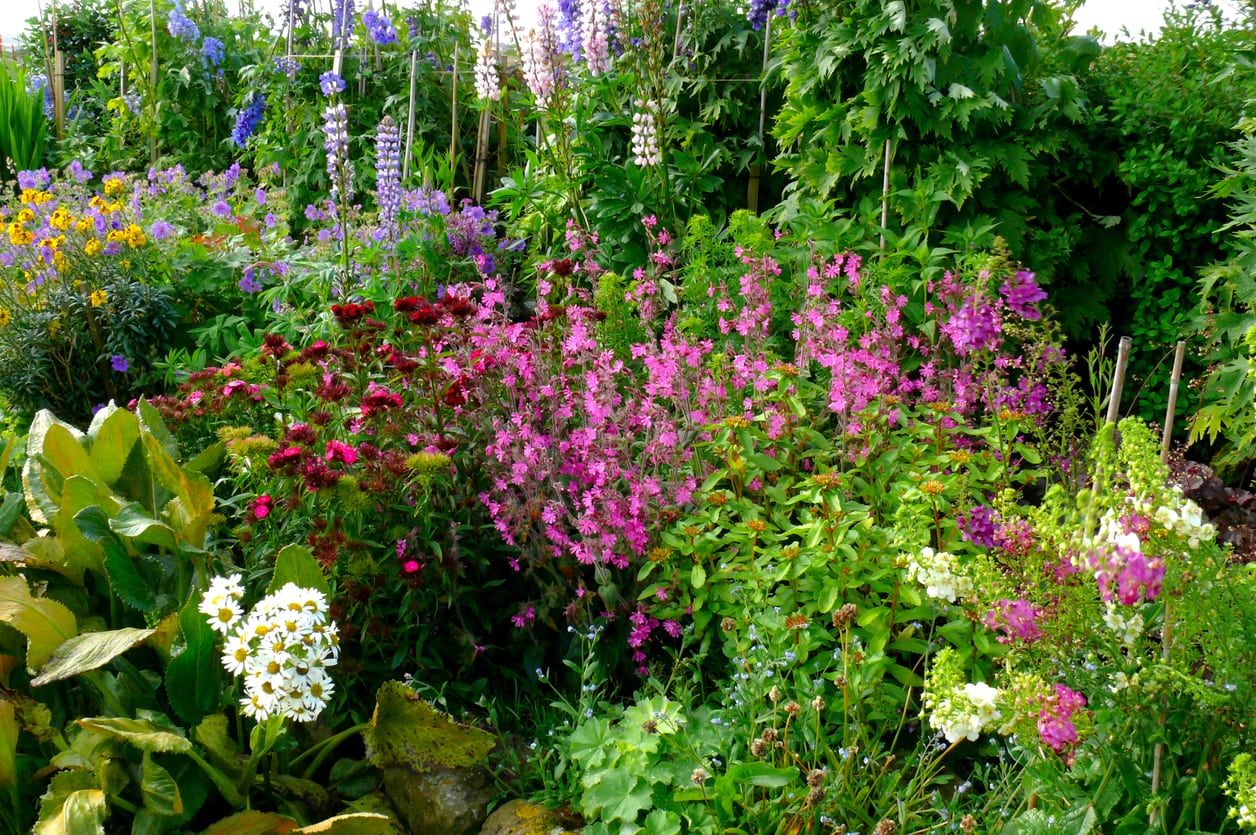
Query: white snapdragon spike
[487, 82]
[968, 713]
[646, 151]
[1186, 519]
[1128, 627]
[282, 650]
[939, 573]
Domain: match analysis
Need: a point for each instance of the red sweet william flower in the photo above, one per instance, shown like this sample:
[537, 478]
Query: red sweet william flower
[261, 506]
[349, 314]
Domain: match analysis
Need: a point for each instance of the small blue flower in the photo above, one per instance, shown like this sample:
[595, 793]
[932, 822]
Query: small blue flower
[212, 51]
[180, 25]
[120, 363]
[379, 27]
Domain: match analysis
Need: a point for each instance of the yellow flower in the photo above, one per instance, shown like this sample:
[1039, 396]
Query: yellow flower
[30, 195]
[58, 260]
[97, 202]
[25, 216]
[99, 297]
[115, 236]
[51, 243]
[92, 247]
[135, 236]
[61, 219]
[5, 317]
[19, 235]
[113, 186]
[126, 263]
[85, 224]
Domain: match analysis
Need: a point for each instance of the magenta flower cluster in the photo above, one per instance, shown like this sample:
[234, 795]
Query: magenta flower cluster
[1055, 718]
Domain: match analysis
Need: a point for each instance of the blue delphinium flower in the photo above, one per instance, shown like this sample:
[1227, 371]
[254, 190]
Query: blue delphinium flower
[379, 27]
[212, 52]
[330, 83]
[341, 23]
[180, 25]
[248, 119]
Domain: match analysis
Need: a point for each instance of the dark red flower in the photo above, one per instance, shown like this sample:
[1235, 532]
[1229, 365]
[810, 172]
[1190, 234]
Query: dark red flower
[285, 459]
[405, 304]
[349, 314]
[301, 433]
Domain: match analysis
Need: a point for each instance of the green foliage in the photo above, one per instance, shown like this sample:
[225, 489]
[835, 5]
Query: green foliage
[23, 127]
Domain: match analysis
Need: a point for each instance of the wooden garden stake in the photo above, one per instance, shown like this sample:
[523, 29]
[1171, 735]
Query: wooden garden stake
[453, 116]
[1118, 379]
[1170, 411]
[680, 22]
[885, 193]
[58, 91]
[152, 137]
[405, 171]
[752, 191]
[481, 156]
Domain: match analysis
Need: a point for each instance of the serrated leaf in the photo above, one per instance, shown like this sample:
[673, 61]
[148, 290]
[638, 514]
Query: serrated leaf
[133, 523]
[143, 733]
[89, 651]
[46, 624]
[72, 805]
[213, 735]
[160, 791]
[41, 502]
[295, 564]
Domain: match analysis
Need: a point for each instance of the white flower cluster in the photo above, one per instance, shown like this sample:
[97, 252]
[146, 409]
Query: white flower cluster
[939, 573]
[1128, 627]
[646, 150]
[1186, 519]
[967, 713]
[282, 648]
[487, 82]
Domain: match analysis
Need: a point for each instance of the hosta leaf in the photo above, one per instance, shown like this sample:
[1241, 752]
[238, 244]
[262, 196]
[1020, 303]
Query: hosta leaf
[145, 734]
[45, 623]
[88, 652]
[161, 793]
[73, 805]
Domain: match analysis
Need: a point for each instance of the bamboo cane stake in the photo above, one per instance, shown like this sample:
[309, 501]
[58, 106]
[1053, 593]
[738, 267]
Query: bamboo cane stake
[752, 191]
[405, 170]
[453, 116]
[58, 92]
[885, 193]
[680, 21]
[481, 156]
[1118, 379]
[152, 137]
[1157, 761]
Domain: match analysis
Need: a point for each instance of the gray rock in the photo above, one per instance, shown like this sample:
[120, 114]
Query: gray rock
[521, 817]
[439, 801]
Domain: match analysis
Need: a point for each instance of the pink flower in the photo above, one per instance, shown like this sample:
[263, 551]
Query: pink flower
[340, 451]
[261, 506]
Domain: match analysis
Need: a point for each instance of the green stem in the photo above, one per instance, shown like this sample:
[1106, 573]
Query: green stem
[324, 748]
[229, 792]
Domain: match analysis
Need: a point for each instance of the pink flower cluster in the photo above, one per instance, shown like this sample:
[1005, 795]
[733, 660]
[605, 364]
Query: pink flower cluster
[1125, 573]
[1014, 620]
[1055, 718]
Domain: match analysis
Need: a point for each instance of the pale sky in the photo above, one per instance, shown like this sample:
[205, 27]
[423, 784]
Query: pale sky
[1109, 15]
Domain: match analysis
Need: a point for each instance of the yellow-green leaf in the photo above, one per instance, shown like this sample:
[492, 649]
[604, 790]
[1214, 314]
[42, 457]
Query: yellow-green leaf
[354, 823]
[112, 440]
[88, 651]
[45, 623]
[8, 744]
[73, 805]
[142, 733]
[161, 792]
[252, 823]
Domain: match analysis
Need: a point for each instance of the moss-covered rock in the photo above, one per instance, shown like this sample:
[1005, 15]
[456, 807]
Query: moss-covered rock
[440, 801]
[521, 817]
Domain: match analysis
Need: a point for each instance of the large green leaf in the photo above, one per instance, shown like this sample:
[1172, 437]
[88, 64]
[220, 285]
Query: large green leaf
[617, 794]
[192, 496]
[113, 436]
[295, 564]
[213, 735]
[160, 791]
[407, 731]
[124, 576]
[63, 450]
[45, 623]
[144, 733]
[41, 499]
[8, 745]
[73, 805]
[193, 678]
[132, 523]
[88, 652]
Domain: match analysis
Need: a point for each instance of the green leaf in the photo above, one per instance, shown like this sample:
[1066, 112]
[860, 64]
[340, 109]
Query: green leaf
[41, 498]
[161, 792]
[45, 623]
[252, 823]
[193, 682]
[113, 437]
[762, 774]
[72, 805]
[133, 523]
[9, 729]
[697, 577]
[88, 651]
[145, 733]
[616, 794]
[295, 564]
